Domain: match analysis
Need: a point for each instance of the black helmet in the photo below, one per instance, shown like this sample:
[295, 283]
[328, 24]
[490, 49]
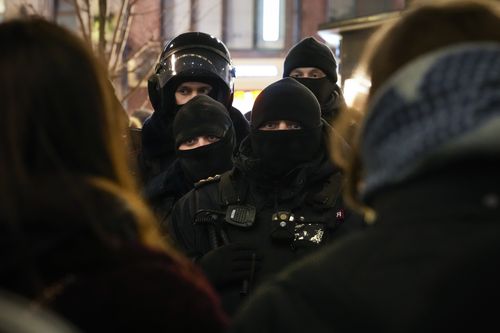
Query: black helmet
[194, 55]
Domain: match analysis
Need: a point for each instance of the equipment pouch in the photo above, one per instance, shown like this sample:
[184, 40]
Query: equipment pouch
[283, 226]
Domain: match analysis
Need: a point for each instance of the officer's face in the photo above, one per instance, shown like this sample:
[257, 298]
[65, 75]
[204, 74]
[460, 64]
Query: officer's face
[307, 73]
[187, 90]
[280, 125]
[198, 141]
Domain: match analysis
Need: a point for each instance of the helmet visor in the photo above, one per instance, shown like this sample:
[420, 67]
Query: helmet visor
[195, 63]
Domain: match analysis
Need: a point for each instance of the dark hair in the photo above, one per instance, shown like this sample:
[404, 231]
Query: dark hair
[58, 113]
[425, 27]
[61, 123]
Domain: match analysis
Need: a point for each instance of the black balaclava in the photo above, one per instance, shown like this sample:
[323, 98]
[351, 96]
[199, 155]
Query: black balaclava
[311, 53]
[279, 152]
[203, 116]
[157, 135]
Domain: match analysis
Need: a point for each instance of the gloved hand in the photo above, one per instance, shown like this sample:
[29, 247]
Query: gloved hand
[230, 263]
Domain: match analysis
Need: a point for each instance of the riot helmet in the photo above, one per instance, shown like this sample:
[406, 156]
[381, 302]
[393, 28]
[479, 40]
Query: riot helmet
[193, 56]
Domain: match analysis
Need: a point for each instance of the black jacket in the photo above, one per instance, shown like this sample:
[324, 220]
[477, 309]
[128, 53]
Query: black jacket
[163, 191]
[428, 264]
[158, 146]
[311, 193]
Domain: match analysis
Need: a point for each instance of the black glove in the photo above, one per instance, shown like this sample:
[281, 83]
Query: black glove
[230, 263]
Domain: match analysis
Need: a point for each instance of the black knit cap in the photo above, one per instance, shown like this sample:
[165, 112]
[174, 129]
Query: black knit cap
[201, 116]
[286, 99]
[311, 53]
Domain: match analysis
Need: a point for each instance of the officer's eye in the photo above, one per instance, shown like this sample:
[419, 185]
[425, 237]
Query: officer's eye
[204, 90]
[183, 91]
[296, 74]
[293, 126]
[317, 74]
[212, 138]
[270, 125]
[190, 142]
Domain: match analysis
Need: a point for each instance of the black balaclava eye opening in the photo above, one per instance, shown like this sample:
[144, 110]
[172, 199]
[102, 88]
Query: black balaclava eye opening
[203, 116]
[219, 92]
[311, 53]
[279, 152]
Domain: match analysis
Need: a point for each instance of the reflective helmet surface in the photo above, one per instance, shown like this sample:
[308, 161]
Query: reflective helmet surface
[196, 54]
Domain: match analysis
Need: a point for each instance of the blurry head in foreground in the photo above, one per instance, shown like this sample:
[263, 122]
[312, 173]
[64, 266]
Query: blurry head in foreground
[433, 102]
[62, 135]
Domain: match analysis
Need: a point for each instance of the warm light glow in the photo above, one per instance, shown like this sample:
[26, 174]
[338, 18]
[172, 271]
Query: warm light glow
[243, 100]
[271, 20]
[356, 90]
[2, 6]
[256, 70]
[331, 38]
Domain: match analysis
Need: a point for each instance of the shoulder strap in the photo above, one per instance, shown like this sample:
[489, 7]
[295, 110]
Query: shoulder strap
[228, 193]
[330, 192]
[205, 181]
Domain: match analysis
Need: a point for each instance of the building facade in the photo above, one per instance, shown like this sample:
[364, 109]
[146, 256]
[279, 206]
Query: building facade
[258, 34]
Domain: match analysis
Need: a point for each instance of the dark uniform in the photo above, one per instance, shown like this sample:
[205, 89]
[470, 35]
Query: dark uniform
[430, 260]
[280, 201]
[201, 116]
[191, 56]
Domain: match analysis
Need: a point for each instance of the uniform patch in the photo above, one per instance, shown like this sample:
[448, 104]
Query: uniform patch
[340, 215]
[209, 180]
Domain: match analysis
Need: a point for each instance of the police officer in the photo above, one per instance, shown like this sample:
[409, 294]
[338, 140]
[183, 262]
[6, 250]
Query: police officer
[204, 144]
[191, 64]
[280, 201]
[313, 64]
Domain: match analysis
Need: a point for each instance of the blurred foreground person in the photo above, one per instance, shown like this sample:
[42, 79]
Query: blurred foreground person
[140, 115]
[17, 315]
[427, 166]
[280, 201]
[74, 236]
[204, 145]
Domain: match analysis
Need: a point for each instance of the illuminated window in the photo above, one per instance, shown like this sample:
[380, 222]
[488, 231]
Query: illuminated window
[270, 24]
[255, 24]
